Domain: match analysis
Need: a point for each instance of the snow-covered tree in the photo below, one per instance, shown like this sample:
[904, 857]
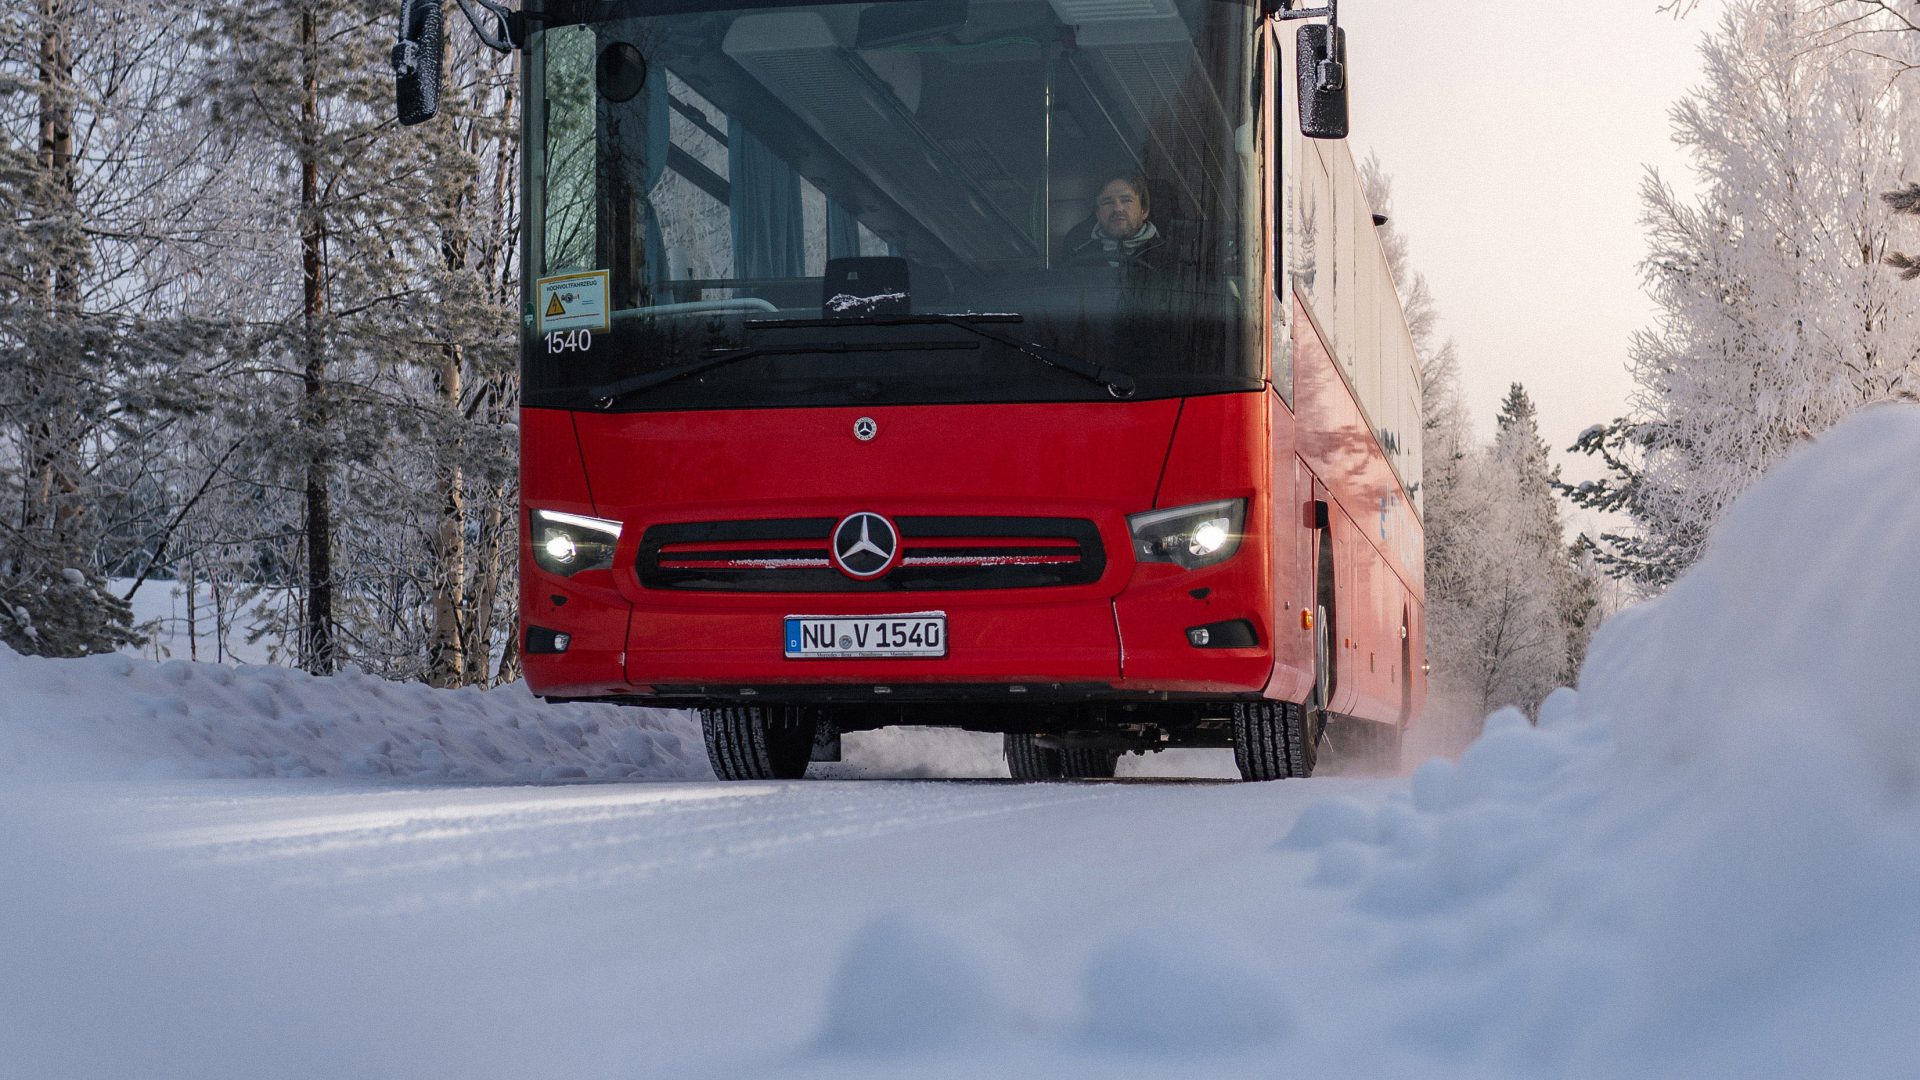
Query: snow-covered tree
[1529, 484]
[385, 338]
[1506, 606]
[99, 358]
[1778, 312]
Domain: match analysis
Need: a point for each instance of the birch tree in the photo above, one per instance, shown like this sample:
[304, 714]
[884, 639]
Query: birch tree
[1778, 312]
[98, 356]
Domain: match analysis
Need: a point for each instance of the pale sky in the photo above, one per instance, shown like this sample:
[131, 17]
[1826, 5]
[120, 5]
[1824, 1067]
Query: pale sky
[1517, 136]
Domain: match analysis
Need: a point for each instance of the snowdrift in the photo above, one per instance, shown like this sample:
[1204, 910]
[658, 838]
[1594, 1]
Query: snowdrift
[116, 717]
[1706, 862]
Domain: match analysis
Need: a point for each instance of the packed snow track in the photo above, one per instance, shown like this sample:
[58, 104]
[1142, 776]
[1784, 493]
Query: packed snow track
[640, 929]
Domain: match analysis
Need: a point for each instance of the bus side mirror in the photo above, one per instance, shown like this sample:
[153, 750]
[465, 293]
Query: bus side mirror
[1322, 59]
[417, 58]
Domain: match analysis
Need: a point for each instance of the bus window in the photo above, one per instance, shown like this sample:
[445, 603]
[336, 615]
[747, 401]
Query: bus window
[766, 140]
[570, 225]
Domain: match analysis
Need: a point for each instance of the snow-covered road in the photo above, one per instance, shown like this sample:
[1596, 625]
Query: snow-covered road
[672, 929]
[1703, 863]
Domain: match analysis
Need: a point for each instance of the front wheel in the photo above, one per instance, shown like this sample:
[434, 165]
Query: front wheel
[1028, 760]
[758, 742]
[1275, 740]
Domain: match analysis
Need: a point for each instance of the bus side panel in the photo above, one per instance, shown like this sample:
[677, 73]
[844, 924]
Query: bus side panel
[1292, 558]
[1339, 448]
[1368, 600]
[585, 606]
[1346, 611]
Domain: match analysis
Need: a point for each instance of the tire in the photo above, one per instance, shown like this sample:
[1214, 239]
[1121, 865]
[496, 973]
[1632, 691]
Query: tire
[1303, 739]
[1091, 764]
[1275, 740]
[758, 742]
[1029, 761]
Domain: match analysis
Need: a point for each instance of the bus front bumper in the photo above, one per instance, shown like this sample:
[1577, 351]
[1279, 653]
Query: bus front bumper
[1004, 647]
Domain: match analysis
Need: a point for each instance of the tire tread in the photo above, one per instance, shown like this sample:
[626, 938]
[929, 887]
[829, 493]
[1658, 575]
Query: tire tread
[1274, 740]
[1028, 761]
[751, 742]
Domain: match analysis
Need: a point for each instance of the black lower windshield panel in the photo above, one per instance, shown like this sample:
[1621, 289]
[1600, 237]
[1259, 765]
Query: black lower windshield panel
[741, 206]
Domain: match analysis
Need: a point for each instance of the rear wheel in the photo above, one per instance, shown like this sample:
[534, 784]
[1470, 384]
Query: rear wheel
[1093, 764]
[1303, 739]
[759, 742]
[1028, 760]
[1275, 740]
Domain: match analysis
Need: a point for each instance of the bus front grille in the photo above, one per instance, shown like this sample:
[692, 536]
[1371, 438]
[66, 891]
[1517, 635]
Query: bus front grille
[937, 554]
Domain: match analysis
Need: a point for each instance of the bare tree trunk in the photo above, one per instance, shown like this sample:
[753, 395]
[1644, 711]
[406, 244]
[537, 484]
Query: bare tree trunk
[510, 660]
[56, 130]
[320, 657]
[190, 580]
[503, 520]
[222, 621]
[446, 659]
[46, 450]
[499, 544]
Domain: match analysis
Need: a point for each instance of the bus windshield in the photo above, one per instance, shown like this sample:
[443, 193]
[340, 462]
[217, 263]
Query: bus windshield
[800, 204]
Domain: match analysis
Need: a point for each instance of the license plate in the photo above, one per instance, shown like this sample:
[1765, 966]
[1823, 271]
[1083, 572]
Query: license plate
[922, 633]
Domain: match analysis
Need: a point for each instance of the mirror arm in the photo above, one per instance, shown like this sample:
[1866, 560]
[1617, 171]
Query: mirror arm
[501, 29]
[1286, 12]
[1331, 74]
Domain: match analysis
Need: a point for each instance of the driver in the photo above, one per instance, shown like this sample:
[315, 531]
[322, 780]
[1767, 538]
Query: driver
[1120, 233]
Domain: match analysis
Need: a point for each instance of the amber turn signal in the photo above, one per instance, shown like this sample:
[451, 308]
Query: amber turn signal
[1306, 618]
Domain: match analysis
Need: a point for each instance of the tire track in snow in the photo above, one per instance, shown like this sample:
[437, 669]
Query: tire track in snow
[430, 857]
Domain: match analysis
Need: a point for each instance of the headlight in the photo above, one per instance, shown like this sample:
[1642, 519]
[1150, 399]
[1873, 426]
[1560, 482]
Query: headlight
[1189, 536]
[566, 544]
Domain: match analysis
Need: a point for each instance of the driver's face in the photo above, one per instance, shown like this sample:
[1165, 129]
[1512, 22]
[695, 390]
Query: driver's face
[1119, 211]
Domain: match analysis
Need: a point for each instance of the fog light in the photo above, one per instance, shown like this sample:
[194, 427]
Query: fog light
[542, 641]
[1233, 634]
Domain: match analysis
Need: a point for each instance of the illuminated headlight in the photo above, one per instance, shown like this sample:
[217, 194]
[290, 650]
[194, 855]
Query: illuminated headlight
[566, 544]
[1189, 536]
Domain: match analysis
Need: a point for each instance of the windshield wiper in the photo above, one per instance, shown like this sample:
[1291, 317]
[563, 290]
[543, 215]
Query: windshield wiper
[1118, 383]
[606, 395]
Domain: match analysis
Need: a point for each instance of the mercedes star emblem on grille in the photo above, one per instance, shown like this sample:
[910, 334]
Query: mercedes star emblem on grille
[865, 429]
[865, 545]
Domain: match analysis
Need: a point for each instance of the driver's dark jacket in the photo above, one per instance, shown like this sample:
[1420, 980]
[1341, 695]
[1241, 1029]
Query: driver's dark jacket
[1086, 245]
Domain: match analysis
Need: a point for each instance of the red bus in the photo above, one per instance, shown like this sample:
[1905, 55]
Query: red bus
[1014, 365]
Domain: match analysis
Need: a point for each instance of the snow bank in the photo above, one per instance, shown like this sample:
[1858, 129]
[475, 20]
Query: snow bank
[117, 717]
[1706, 863]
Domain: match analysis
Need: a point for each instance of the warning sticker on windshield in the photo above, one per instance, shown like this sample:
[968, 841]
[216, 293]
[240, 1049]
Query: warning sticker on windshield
[572, 302]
